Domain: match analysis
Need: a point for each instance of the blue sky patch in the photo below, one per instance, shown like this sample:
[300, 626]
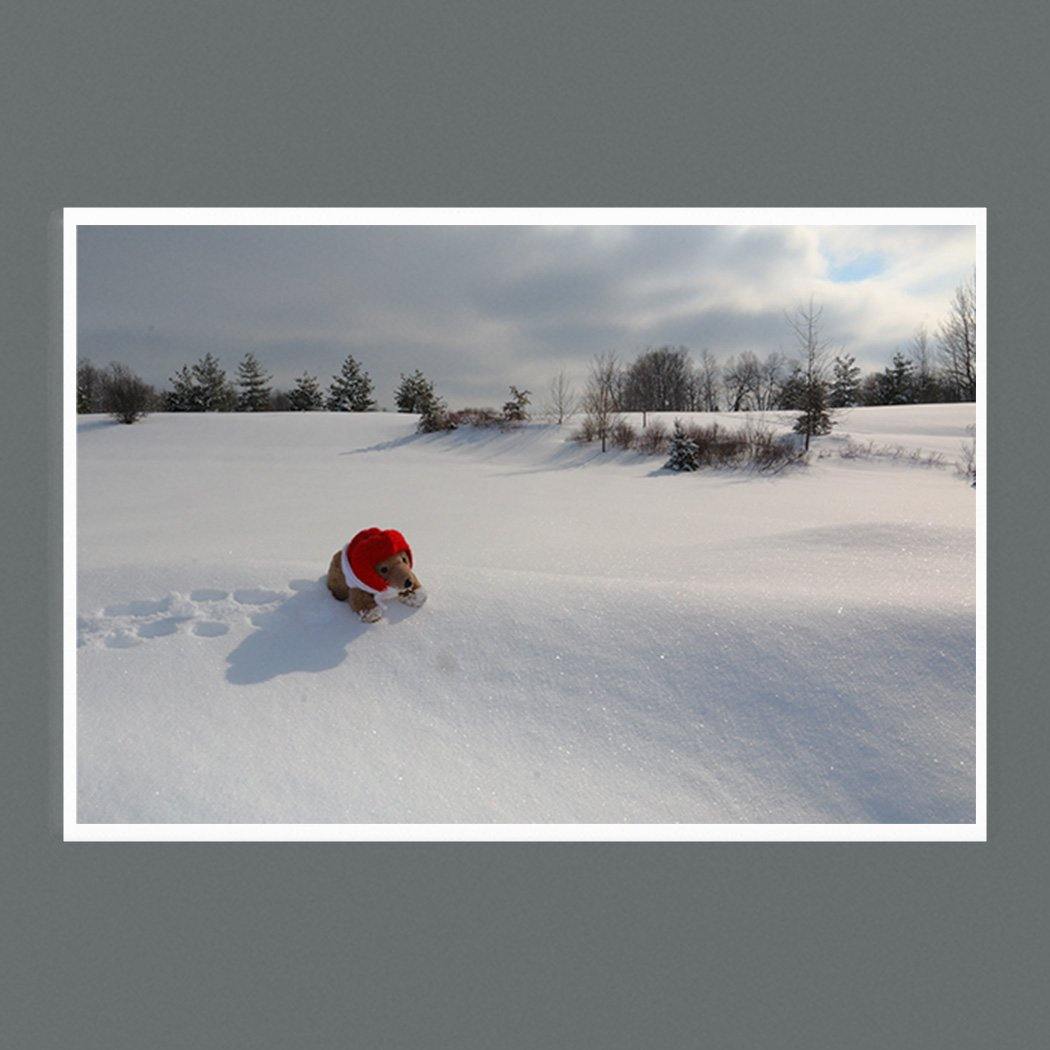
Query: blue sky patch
[858, 268]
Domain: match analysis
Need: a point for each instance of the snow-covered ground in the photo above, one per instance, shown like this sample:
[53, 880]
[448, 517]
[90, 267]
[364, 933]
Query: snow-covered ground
[604, 642]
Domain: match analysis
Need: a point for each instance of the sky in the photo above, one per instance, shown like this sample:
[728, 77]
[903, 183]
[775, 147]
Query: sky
[477, 308]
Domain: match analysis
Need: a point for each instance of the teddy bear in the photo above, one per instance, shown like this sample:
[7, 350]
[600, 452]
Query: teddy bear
[375, 566]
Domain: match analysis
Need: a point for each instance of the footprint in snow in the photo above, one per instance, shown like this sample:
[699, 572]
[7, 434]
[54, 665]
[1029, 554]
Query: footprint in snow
[206, 594]
[160, 628]
[210, 629]
[203, 613]
[256, 596]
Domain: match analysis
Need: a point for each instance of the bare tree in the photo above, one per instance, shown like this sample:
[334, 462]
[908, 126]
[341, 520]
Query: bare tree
[561, 398]
[741, 378]
[658, 380]
[771, 374]
[706, 383]
[601, 396]
[125, 396]
[924, 374]
[957, 339]
[813, 351]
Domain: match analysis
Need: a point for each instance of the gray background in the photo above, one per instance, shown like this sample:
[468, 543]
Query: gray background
[523, 945]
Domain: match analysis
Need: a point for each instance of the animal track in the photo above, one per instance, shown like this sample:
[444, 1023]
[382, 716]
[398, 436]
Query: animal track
[210, 629]
[256, 596]
[159, 628]
[203, 613]
[206, 594]
[142, 608]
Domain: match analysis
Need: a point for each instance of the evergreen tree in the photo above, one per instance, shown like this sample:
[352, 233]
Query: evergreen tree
[351, 390]
[845, 383]
[213, 392]
[870, 391]
[254, 384]
[682, 450]
[415, 393]
[897, 381]
[793, 389]
[306, 396]
[89, 387]
[815, 419]
[812, 371]
[516, 409]
[434, 417]
[183, 395]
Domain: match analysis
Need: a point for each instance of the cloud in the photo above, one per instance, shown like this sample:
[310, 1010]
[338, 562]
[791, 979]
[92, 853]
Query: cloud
[478, 308]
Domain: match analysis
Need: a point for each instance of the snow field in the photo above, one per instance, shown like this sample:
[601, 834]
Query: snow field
[603, 642]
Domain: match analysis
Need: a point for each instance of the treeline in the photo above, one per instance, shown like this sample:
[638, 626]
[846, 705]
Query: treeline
[204, 387]
[937, 367]
[812, 382]
[941, 367]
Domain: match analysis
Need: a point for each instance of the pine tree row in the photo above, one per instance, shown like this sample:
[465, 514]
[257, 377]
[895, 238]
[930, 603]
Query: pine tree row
[203, 387]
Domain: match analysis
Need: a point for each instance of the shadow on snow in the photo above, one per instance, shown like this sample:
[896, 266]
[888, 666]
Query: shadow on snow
[309, 631]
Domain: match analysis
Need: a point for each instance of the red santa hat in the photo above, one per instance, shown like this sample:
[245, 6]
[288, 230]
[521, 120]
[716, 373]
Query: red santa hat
[371, 546]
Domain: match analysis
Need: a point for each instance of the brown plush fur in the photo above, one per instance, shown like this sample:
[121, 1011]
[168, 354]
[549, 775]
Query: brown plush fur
[395, 568]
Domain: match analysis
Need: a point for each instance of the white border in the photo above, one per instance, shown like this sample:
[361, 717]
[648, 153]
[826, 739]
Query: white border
[73, 831]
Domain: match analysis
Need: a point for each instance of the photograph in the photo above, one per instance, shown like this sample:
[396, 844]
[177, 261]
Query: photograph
[572, 524]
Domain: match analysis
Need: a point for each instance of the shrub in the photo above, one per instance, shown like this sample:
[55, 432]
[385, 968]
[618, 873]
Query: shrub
[516, 410]
[587, 430]
[622, 434]
[652, 441]
[476, 417]
[896, 453]
[125, 396]
[716, 446]
[966, 464]
[435, 417]
[752, 447]
[769, 452]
